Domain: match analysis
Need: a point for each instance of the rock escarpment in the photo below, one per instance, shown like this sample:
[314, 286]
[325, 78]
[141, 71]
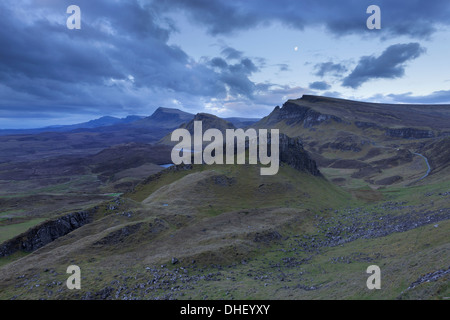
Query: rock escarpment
[294, 114]
[45, 233]
[293, 154]
[410, 133]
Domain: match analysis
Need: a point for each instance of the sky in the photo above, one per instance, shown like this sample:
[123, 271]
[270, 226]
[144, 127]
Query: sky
[226, 57]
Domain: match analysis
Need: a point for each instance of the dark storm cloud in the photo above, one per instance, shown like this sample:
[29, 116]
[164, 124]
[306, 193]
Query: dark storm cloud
[245, 66]
[120, 53]
[219, 62]
[119, 61]
[231, 53]
[26, 52]
[389, 65]
[235, 75]
[319, 85]
[326, 68]
[417, 19]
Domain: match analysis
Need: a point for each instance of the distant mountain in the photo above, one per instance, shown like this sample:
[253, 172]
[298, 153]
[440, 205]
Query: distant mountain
[97, 123]
[93, 136]
[167, 118]
[164, 118]
[310, 111]
[107, 121]
[209, 121]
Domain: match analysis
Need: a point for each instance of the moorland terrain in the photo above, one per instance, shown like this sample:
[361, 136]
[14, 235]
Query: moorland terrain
[359, 184]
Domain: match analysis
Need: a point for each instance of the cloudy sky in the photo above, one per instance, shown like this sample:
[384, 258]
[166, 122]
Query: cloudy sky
[226, 57]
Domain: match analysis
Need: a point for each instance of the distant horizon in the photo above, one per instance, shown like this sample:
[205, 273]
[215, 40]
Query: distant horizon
[109, 116]
[57, 125]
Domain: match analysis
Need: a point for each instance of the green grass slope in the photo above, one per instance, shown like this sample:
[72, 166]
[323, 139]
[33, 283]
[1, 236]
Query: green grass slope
[224, 232]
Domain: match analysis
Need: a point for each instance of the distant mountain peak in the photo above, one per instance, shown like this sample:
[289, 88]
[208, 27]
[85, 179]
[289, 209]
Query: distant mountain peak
[161, 111]
[94, 124]
[169, 110]
[168, 118]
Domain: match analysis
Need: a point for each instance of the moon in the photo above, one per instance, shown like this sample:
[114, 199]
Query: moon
[296, 49]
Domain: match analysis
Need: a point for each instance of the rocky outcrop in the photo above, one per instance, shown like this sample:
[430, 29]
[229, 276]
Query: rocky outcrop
[293, 154]
[410, 133]
[294, 114]
[311, 111]
[45, 233]
[366, 125]
[432, 276]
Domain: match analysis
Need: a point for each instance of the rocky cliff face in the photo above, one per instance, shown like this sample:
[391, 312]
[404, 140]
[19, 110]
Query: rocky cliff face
[366, 125]
[293, 154]
[293, 114]
[45, 233]
[410, 133]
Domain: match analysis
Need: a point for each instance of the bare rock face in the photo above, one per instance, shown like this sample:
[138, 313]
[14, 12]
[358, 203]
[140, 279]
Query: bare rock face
[45, 233]
[410, 133]
[293, 154]
[293, 114]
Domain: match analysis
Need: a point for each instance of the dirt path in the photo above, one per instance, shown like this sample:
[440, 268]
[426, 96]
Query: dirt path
[428, 165]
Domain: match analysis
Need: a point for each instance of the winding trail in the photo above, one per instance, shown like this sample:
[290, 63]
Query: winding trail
[428, 165]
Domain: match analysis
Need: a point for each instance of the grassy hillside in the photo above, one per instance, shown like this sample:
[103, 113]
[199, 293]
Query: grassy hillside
[193, 214]
[239, 186]
[355, 144]
[227, 232]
